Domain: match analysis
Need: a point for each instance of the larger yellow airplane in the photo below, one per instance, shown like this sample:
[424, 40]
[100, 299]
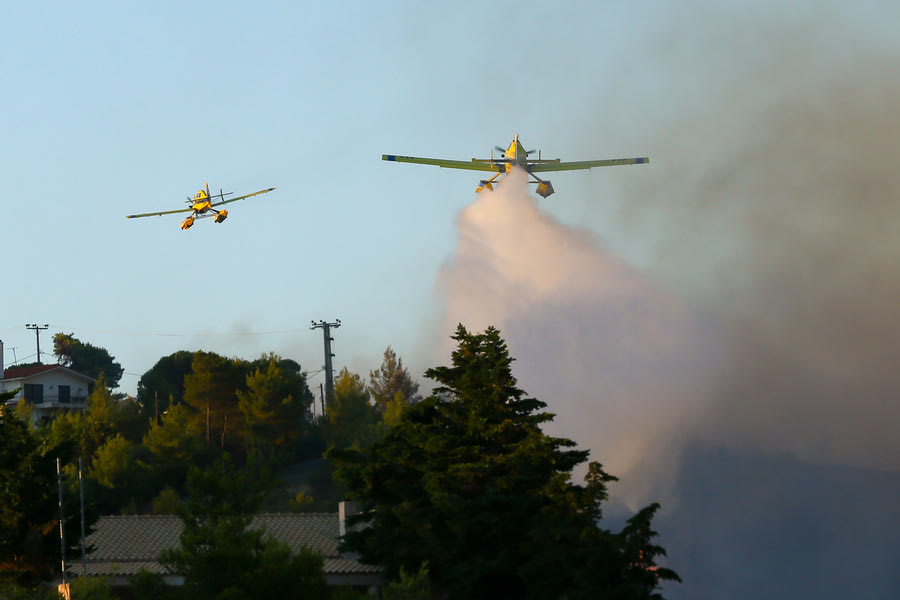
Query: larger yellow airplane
[202, 206]
[516, 156]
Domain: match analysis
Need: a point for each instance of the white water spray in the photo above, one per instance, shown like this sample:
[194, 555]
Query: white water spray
[619, 361]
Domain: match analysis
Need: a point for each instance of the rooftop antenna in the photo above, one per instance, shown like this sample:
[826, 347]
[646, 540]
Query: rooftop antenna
[37, 336]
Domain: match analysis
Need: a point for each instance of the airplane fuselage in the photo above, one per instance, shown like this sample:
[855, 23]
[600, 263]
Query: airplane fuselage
[517, 154]
[202, 206]
[202, 202]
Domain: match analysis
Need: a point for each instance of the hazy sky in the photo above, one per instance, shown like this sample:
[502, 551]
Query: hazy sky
[720, 326]
[112, 109]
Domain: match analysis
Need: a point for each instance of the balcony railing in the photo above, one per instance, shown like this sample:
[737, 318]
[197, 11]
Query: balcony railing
[50, 400]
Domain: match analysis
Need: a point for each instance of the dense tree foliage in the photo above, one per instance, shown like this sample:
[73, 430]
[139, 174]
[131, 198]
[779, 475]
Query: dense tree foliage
[163, 385]
[88, 429]
[222, 558]
[10, 590]
[29, 514]
[211, 390]
[467, 482]
[229, 405]
[86, 358]
[350, 417]
[411, 586]
[136, 462]
[464, 481]
[171, 447]
[91, 588]
[95, 435]
[276, 409]
[240, 406]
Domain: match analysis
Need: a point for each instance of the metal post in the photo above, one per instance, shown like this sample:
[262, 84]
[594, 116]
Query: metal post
[81, 492]
[62, 522]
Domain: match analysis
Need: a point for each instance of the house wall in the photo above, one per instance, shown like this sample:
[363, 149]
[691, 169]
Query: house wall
[51, 382]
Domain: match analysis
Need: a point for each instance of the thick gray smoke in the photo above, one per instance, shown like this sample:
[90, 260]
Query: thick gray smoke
[786, 237]
[748, 376]
[777, 188]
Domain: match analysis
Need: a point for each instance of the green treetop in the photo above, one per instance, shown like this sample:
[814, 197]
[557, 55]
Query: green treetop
[467, 482]
[390, 379]
[349, 417]
[87, 359]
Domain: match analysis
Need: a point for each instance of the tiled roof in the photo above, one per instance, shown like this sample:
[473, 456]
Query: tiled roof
[23, 372]
[133, 538]
[346, 566]
[123, 545]
[20, 372]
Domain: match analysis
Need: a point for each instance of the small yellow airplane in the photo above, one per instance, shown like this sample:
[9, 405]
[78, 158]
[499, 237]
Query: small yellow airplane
[202, 206]
[516, 156]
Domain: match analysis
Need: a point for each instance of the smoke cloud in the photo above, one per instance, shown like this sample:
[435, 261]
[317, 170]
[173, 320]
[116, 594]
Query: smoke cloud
[747, 374]
[779, 193]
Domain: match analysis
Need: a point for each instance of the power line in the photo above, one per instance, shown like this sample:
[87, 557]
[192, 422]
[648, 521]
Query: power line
[157, 334]
[21, 360]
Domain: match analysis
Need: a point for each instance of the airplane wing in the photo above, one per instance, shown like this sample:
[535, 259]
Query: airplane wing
[474, 165]
[242, 197]
[156, 214]
[545, 166]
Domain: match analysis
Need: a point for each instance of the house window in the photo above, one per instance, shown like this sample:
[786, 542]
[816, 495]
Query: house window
[65, 394]
[34, 392]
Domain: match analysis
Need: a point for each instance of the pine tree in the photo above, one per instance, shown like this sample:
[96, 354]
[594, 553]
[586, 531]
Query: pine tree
[390, 379]
[469, 483]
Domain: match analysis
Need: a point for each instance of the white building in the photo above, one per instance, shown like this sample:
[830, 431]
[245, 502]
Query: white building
[49, 388]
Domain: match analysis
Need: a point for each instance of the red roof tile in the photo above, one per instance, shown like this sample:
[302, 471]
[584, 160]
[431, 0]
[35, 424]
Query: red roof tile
[20, 372]
[23, 372]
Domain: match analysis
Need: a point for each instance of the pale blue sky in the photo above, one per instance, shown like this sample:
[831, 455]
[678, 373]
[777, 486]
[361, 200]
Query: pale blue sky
[113, 108]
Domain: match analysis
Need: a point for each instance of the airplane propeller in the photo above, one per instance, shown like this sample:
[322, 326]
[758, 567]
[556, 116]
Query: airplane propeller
[503, 151]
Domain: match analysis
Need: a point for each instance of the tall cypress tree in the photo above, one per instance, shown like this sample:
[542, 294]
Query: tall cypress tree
[469, 483]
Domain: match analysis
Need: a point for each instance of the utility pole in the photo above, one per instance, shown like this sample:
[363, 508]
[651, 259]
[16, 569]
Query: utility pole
[37, 336]
[329, 375]
[62, 525]
[81, 494]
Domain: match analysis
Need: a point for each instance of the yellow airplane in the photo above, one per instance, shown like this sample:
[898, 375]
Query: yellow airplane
[202, 207]
[516, 156]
